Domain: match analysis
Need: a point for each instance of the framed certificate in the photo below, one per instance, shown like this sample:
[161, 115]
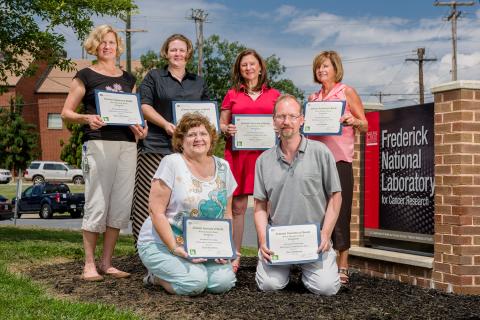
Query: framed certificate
[294, 244]
[254, 132]
[206, 108]
[322, 118]
[208, 238]
[119, 108]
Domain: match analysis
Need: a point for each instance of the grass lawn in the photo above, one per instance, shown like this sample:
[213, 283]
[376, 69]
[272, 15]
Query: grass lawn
[24, 248]
[20, 298]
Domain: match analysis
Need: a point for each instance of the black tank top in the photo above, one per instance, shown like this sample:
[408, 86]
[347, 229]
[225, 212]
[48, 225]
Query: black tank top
[94, 80]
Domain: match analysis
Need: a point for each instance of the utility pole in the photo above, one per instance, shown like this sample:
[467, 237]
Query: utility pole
[379, 95]
[199, 17]
[420, 60]
[453, 16]
[128, 38]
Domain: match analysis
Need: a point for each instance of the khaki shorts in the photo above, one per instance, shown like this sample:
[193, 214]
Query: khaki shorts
[109, 173]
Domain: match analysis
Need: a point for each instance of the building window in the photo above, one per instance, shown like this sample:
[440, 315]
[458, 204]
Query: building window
[54, 121]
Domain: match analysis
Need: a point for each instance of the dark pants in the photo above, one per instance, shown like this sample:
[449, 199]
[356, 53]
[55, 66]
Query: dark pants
[341, 232]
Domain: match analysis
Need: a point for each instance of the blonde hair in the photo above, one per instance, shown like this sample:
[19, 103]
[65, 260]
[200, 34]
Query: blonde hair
[334, 59]
[173, 37]
[96, 36]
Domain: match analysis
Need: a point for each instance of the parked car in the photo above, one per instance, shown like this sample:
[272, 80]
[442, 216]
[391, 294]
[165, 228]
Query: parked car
[5, 176]
[48, 198]
[41, 171]
[6, 211]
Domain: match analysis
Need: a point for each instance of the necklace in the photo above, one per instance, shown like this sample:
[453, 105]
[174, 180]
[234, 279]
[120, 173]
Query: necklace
[177, 74]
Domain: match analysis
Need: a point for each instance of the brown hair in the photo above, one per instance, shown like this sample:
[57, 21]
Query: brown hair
[336, 62]
[189, 121]
[173, 37]
[237, 78]
[96, 36]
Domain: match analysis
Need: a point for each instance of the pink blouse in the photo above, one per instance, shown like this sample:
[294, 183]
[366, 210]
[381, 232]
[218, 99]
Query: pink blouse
[341, 145]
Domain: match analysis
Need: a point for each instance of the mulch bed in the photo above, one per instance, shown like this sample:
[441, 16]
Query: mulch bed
[363, 298]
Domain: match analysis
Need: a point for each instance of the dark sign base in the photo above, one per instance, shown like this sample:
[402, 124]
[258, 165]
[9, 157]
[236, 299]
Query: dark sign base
[421, 249]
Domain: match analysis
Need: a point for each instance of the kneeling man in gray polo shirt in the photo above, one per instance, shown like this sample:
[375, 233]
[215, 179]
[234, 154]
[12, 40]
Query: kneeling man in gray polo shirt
[299, 178]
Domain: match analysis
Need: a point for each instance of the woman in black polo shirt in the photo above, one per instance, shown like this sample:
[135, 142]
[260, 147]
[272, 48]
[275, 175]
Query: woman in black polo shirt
[159, 88]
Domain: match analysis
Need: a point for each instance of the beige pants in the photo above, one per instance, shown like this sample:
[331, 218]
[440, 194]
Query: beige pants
[319, 277]
[109, 182]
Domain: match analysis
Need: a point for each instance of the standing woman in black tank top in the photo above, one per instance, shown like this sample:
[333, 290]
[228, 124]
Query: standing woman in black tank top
[109, 155]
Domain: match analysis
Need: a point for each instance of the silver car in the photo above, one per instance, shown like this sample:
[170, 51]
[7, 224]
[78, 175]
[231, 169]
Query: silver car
[5, 176]
[41, 171]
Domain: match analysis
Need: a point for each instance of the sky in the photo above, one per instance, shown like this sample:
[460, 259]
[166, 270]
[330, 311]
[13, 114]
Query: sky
[373, 38]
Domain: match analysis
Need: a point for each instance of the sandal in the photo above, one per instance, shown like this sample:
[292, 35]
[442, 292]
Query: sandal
[344, 275]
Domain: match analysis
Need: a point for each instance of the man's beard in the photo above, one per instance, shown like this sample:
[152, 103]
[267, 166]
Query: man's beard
[287, 133]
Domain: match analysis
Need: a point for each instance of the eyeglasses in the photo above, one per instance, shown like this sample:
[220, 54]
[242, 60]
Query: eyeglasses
[283, 117]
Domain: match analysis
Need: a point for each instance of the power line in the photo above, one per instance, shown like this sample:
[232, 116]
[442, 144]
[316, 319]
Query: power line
[362, 59]
[453, 16]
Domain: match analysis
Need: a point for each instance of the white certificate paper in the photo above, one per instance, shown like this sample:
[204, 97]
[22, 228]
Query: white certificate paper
[254, 132]
[119, 108]
[323, 117]
[208, 238]
[206, 108]
[294, 244]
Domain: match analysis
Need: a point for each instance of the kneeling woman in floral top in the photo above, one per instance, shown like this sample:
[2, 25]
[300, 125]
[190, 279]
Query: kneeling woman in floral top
[189, 183]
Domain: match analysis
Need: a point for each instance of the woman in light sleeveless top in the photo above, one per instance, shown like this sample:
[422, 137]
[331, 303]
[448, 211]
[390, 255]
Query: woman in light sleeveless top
[328, 71]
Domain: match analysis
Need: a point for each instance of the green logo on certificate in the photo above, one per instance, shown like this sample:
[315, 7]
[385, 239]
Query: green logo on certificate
[239, 143]
[193, 252]
[105, 118]
[274, 257]
[307, 128]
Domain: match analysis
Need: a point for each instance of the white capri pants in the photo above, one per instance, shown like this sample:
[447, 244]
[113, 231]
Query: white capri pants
[109, 173]
[320, 277]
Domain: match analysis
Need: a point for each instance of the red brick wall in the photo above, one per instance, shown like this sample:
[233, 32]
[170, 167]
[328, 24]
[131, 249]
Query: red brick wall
[355, 223]
[50, 138]
[457, 191]
[5, 97]
[26, 87]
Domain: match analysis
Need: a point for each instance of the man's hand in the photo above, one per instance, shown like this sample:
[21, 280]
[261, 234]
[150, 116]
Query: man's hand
[266, 253]
[324, 243]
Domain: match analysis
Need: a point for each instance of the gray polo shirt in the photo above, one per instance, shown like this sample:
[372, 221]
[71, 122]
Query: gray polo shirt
[298, 192]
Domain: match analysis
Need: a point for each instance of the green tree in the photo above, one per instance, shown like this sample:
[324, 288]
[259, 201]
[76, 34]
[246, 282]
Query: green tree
[27, 29]
[18, 140]
[72, 150]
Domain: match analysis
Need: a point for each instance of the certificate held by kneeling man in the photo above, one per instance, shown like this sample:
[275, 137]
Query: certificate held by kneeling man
[208, 238]
[294, 244]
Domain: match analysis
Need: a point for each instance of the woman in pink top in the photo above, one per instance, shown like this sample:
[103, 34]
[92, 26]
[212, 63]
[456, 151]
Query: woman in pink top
[250, 95]
[328, 71]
